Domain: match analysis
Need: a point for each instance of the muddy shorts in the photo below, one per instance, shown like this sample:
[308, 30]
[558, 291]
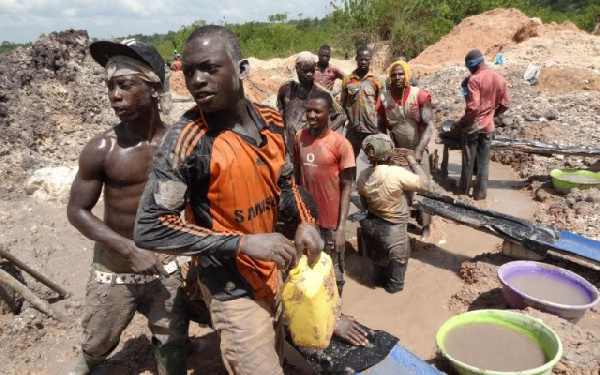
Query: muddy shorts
[384, 241]
[251, 333]
[109, 309]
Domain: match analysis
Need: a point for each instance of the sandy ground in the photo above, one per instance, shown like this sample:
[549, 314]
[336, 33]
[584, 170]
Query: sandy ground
[38, 232]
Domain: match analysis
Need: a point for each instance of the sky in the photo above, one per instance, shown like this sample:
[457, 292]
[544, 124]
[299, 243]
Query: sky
[23, 21]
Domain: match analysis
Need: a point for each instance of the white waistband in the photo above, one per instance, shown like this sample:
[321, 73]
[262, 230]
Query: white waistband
[131, 278]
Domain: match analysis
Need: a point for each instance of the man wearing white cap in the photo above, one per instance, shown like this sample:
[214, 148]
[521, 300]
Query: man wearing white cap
[292, 97]
[125, 278]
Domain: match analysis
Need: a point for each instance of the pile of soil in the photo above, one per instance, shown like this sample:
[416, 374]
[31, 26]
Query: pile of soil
[45, 115]
[563, 108]
[490, 32]
[52, 101]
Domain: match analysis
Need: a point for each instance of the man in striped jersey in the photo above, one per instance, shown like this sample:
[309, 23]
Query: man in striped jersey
[222, 164]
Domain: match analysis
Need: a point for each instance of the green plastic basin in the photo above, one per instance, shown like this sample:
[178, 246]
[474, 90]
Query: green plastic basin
[560, 179]
[534, 328]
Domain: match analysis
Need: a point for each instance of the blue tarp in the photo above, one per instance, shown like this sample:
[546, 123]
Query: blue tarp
[401, 361]
[578, 245]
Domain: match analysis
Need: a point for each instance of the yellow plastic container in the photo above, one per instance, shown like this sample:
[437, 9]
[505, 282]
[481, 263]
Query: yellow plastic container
[311, 302]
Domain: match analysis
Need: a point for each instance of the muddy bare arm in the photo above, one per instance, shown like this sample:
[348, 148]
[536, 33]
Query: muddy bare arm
[338, 121]
[421, 184]
[427, 119]
[347, 177]
[85, 192]
[500, 110]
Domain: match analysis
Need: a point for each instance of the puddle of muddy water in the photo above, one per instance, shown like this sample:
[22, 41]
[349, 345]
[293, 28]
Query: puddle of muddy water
[494, 347]
[549, 289]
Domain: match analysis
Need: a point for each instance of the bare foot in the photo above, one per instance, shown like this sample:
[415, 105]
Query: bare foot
[348, 329]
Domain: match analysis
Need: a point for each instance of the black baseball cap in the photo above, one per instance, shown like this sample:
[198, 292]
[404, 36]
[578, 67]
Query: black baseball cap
[103, 50]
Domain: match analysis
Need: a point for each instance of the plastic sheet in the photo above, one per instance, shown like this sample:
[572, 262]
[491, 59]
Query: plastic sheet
[341, 358]
[452, 140]
[401, 361]
[536, 237]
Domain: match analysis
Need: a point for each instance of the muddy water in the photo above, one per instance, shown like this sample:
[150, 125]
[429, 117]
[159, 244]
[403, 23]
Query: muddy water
[494, 347]
[415, 314]
[547, 288]
[580, 179]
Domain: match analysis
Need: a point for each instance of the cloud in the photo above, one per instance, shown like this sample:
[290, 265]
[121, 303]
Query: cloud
[24, 20]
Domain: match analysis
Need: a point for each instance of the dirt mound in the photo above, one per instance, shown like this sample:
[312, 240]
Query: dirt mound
[490, 32]
[567, 47]
[52, 98]
[560, 79]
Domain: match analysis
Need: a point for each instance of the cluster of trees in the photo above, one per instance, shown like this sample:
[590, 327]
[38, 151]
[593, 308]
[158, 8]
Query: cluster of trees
[410, 25]
[7, 46]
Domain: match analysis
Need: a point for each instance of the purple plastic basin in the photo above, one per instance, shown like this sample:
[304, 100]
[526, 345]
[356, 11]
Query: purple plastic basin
[519, 300]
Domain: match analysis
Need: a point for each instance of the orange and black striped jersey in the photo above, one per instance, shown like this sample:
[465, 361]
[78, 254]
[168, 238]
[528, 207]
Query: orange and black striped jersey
[228, 186]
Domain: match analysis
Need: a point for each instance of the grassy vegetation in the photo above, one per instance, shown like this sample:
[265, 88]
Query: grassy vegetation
[410, 25]
[7, 46]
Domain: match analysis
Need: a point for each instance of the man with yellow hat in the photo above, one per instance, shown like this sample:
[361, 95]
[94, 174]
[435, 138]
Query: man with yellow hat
[407, 113]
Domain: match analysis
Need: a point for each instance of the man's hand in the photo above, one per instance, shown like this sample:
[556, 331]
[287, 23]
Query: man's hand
[348, 328]
[272, 247]
[410, 156]
[142, 261]
[339, 240]
[418, 155]
[309, 242]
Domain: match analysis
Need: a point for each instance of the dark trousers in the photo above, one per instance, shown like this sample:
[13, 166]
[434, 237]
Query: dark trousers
[475, 153]
[337, 259]
[356, 139]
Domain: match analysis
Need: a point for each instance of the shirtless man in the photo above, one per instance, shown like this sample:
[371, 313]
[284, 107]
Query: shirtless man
[124, 278]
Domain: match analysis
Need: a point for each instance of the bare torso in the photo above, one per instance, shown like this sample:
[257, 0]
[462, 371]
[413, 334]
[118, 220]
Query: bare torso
[127, 165]
[117, 162]
[126, 172]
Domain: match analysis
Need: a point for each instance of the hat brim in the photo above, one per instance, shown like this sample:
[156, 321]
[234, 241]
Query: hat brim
[103, 50]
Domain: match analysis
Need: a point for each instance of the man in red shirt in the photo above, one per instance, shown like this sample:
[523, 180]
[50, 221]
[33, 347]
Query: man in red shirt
[326, 73]
[176, 65]
[487, 97]
[324, 164]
